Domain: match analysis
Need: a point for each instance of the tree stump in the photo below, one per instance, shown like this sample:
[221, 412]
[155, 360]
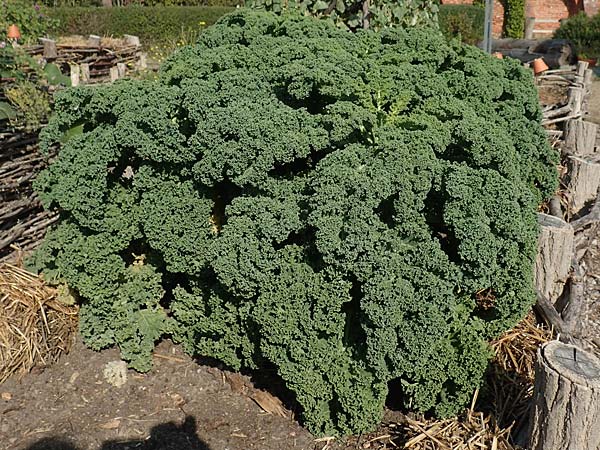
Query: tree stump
[566, 399]
[584, 180]
[556, 246]
[579, 138]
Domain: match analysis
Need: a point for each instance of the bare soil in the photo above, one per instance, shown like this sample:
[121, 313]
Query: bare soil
[180, 404]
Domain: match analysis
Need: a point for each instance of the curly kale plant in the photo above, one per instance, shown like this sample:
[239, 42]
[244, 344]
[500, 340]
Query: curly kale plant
[345, 209]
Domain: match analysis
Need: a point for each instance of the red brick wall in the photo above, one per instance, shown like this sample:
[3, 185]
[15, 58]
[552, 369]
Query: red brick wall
[547, 13]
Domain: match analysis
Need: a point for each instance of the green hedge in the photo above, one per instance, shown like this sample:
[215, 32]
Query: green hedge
[159, 23]
[464, 21]
[584, 32]
[151, 24]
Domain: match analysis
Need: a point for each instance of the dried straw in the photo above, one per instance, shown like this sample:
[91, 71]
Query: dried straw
[469, 431]
[35, 328]
[512, 372]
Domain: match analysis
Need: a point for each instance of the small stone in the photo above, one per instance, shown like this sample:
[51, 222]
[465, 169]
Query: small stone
[115, 373]
[6, 396]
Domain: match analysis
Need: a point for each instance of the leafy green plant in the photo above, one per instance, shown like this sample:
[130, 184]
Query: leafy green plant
[346, 209]
[462, 21]
[32, 19]
[355, 14]
[584, 32]
[31, 104]
[25, 89]
[514, 18]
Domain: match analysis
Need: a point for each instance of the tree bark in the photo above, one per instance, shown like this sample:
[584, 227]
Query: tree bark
[584, 180]
[566, 399]
[579, 138]
[556, 246]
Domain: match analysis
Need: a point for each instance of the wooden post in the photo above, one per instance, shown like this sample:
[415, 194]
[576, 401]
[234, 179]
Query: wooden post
[85, 73]
[94, 41]
[142, 63]
[529, 26]
[49, 48]
[556, 246]
[584, 180]
[74, 75]
[121, 69]
[579, 138]
[566, 399]
[132, 40]
[114, 73]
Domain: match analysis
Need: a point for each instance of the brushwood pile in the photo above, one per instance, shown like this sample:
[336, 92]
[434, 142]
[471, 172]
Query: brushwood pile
[343, 209]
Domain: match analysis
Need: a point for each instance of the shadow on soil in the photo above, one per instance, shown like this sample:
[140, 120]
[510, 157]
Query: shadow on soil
[166, 436]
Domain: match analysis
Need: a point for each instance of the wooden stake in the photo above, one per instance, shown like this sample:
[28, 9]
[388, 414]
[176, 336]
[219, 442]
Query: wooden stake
[85, 73]
[74, 75]
[566, 399]
[132, 40]
[556, 246]
[579, 138]
[584, 180]
[93, 40]
[121, 69]
[49, 48]
[114, 73]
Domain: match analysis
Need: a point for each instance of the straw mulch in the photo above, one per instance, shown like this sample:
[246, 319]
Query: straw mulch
[35, 327]
[472, 430]
[512, 372]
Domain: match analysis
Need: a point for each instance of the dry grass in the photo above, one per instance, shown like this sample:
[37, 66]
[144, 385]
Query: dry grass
[82, 41]
[35, 328]
[512, 372]
[470, 431]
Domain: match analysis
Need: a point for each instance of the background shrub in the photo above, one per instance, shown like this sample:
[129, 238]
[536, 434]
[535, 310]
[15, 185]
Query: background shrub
[514, 18]
[463, 21]
[349, 13]
[344, 209]
[151, 24]
[584, 32]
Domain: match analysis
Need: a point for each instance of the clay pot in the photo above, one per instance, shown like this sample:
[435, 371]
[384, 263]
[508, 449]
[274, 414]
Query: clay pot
[539, 66]
[498, 55]
[13, 32]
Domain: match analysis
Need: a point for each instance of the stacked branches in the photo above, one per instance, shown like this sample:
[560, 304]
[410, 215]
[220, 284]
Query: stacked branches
[348, 209]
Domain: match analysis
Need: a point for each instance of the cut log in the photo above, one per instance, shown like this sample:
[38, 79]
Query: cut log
[85, 73]
[94, 40]
[566, 399]
[584, 180]
[132, 40]
[579, 138]
[556, 246]
[555, 52]
[121, 69]
[114, 73]
[74, 75]
[49, 48]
